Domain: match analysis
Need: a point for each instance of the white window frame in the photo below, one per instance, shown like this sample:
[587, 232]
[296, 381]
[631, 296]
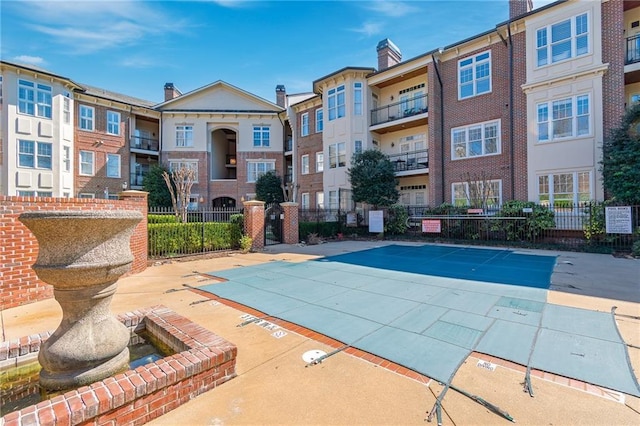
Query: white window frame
[253, 166]
[304, 164]
[304, 124]
[337, 155]
[66, 158]
[460, 147]
[192, 164]
[41, 154]
[319, 120]
[334, 200]
[464, 186]
[319, 162]
[547, 116]
[357, 98]
[111, 168]
[113, 123]
[261, 136]
[89, 160]
[549, 180]
[184, 136]
[336, 102]
[320, 199]
[304, 200]
[66, 110]
[578, 40]
[474, 64]
[357, 147]
[87, 115]
[88, 195]
[35, 99]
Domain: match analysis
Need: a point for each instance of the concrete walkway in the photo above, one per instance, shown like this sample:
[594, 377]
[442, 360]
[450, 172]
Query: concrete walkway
[274, 387]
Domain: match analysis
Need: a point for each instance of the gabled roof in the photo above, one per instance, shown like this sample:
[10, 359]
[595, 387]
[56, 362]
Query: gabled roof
[219, 84]
[317, 82]
[114, 96]
[39, 70]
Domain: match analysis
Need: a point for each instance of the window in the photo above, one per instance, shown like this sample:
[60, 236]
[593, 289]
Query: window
[189, 164]
[333, 200]
[319, 161]
[319, 124]
[34, 194]
[255, 169]
[475, 140]
[66, 158]
[86, 195]
[86, 163]
[335, 101]
[474, 75]
[320, 200]
[569, 117]
[66, 110]
[261, 136]
[36, 155]
[304, 200]
[477, 194]
[572, 188]
[569, 38]
[184, 136]
[113, 165]
[304, 168]
[86, 117]
[304, 128]
[337, 155]
[113, 123]
[357, 147]
[357, 98]
[34, 99]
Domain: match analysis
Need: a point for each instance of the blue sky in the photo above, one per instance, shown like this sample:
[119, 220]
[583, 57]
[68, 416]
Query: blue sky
[135, 47]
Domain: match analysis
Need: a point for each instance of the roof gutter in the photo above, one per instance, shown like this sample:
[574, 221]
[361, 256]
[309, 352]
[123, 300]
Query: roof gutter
[435, 64]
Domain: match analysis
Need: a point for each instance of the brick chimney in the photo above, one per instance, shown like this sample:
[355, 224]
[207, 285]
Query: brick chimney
[281, 95]
[170, 92]
[388, 54]
[519, 7]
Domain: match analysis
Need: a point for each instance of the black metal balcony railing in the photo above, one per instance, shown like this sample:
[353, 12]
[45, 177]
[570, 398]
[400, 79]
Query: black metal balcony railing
[633, 50]
[398, 110]
[231, 160]
[413, 160]
[147, 144]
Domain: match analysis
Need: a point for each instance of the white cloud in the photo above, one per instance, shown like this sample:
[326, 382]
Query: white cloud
[230, 3]
[368, 29]
[91, 26]
[395, 9]
[26, 59]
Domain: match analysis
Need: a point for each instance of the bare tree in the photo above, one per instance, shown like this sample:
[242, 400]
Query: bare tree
[480, 190]
[182, 179]
[290, 191]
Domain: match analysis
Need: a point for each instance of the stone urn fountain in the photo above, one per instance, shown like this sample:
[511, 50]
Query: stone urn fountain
[82, 254]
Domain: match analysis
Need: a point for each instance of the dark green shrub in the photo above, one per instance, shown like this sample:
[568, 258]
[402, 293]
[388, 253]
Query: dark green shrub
[397, 221]
[238, 220]
[530, 227]
[635, 249]
[172, 239]
[323, 229]
[162, 218]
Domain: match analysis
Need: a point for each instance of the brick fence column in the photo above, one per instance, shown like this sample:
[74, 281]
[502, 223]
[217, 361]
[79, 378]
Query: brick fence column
[254, 223]
[290, 231]
[140, 238]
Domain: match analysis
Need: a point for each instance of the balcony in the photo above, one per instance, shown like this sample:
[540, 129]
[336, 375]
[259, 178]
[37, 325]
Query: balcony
[399, 110]
[146, 144]
[230, 160]
[633, 50]
[135, 179]
[410, 161]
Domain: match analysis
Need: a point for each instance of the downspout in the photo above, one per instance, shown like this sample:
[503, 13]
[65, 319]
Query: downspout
[435, 64]
[511, 121]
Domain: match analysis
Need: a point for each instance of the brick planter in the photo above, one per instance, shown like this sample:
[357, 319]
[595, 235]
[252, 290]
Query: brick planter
[202, 361]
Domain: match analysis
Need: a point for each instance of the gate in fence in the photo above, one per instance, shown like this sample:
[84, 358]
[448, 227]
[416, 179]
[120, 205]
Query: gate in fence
[273, 224]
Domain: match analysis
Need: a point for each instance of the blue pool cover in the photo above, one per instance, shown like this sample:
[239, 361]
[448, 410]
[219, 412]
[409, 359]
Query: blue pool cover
[427, 308]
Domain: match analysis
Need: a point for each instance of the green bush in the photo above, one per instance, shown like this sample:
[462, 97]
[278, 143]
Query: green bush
[397, 221]
[323, 229]
[162, 218]
[238, 220]
[171, 239]
[246, 242]
[538, 220]
[635, 249]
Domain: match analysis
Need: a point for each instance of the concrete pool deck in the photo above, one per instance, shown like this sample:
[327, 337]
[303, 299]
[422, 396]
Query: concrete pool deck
[274, 387]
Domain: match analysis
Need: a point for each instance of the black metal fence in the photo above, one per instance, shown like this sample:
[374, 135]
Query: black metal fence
[205, 231]
[596, 227]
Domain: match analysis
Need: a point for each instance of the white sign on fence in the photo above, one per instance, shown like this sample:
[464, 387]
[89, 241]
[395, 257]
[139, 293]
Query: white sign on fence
[376, 221]
[618, 220]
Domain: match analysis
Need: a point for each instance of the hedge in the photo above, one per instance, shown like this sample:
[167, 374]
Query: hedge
[174, 239]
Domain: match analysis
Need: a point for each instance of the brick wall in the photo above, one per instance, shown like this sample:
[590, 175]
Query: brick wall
[19, 249]
[308, 145]
[485, 107]
[613, 53]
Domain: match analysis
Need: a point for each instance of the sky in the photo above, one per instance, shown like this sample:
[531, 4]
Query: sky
[134, 47]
